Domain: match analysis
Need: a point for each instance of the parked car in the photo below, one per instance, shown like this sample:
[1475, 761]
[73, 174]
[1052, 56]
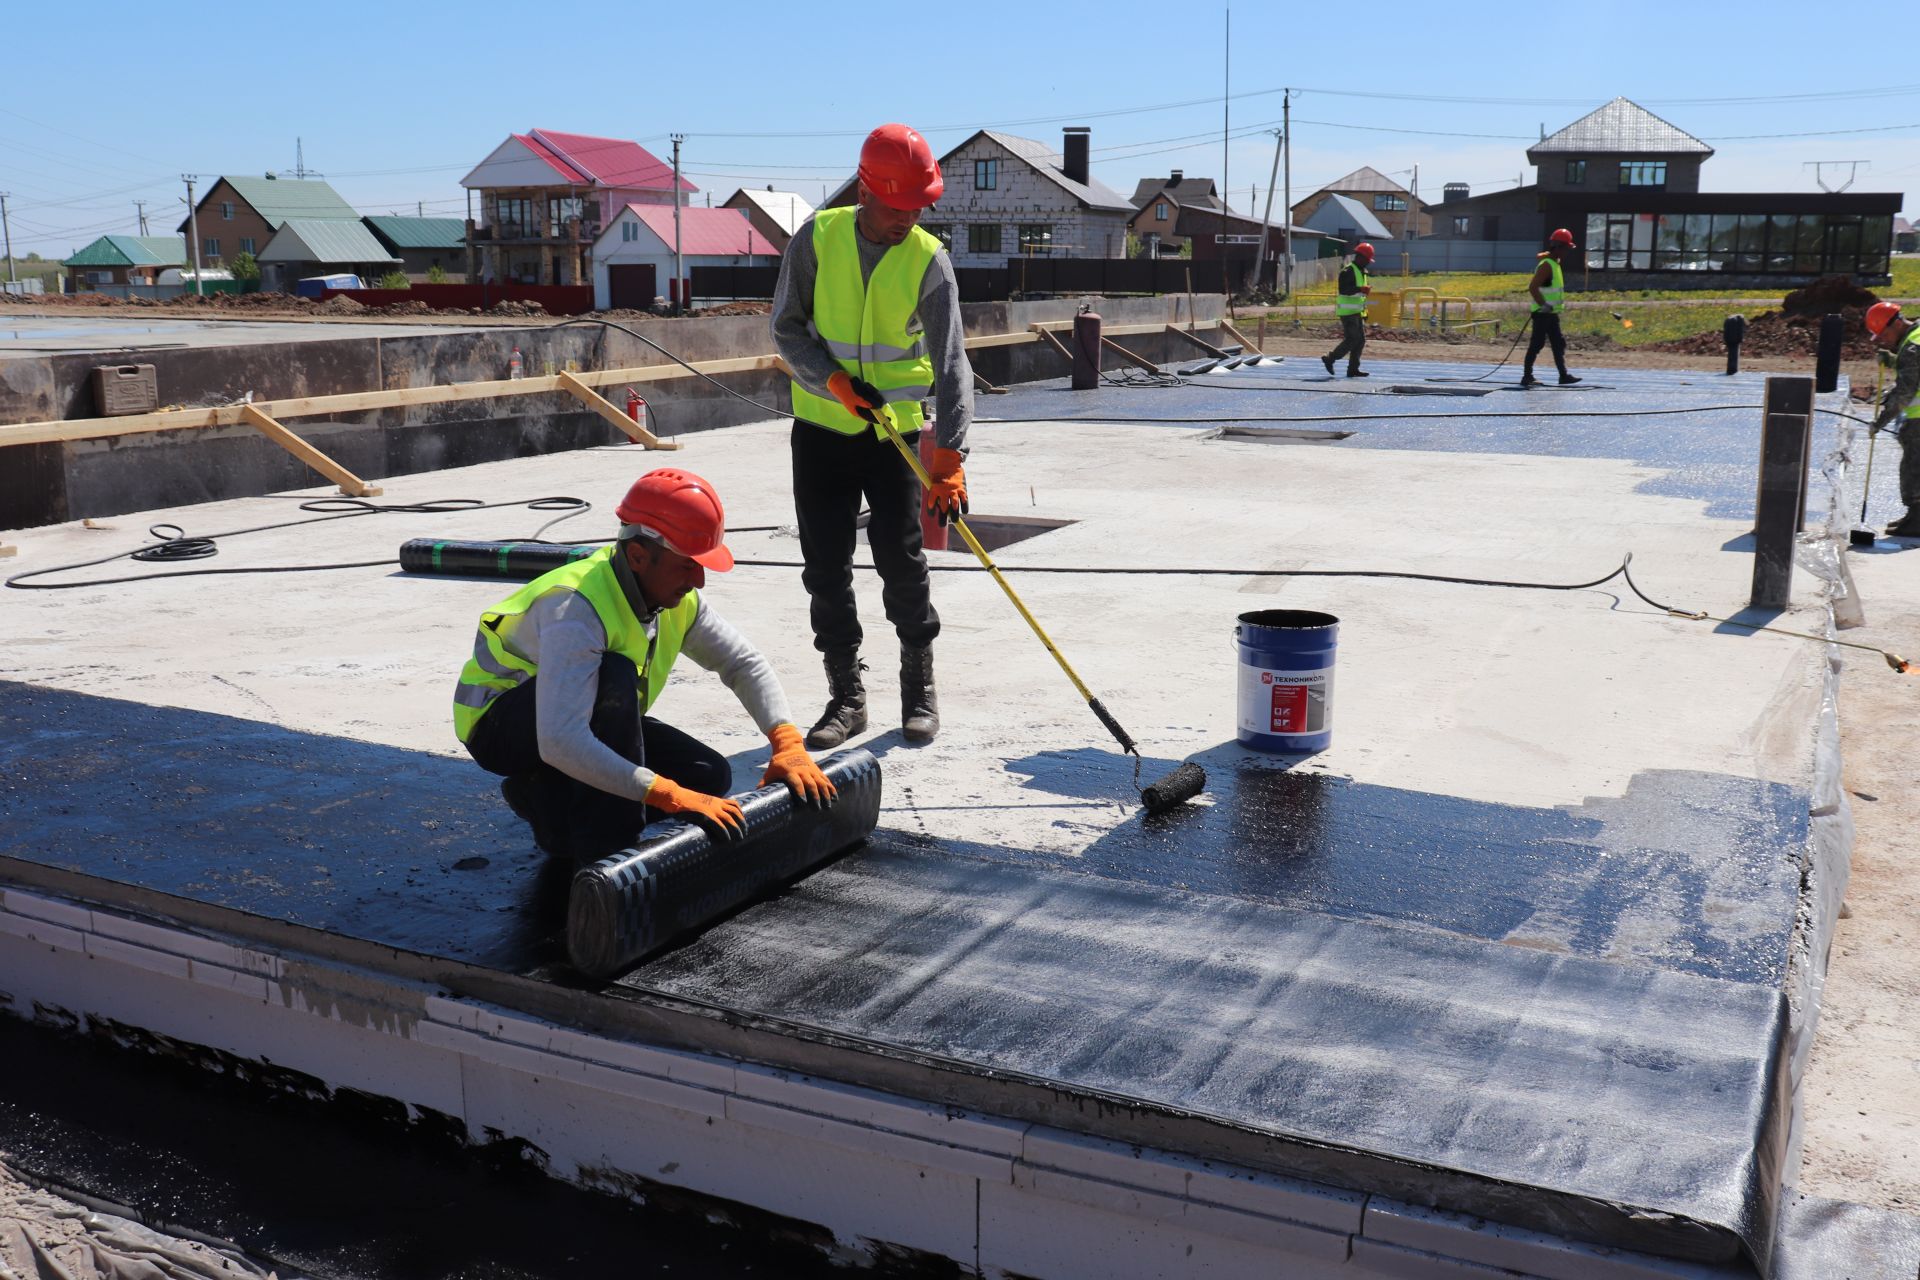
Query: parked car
[316, 286]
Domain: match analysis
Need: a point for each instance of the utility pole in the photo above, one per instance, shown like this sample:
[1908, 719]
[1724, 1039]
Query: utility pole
[679, 271]
[1226, 113]
[6, 229]
[141, 207]
[1266, 215]
[193, 233]
[1286, 201]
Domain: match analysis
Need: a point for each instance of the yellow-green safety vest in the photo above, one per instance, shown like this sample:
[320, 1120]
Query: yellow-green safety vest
[864, 326]
[493, 669]
[1913, 405]
[1553, 295]
[1352, 304]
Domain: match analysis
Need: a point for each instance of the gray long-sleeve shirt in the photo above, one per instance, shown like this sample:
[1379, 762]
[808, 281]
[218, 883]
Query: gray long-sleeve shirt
[562, 635]
[1906, 385]
[937, 319]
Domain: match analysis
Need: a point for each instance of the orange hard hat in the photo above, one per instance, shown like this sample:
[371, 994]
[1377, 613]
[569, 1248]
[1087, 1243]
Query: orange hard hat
[897, 165]
[1363, 250]
[1880, 315]
[681, 510]
[1562, 236]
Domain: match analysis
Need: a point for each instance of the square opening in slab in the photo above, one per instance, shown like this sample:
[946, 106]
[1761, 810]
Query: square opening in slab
[995, 532]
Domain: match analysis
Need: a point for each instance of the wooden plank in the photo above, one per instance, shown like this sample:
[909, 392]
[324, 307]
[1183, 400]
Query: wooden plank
[350, 484]
[981, 384]
[1248, 348]
[1057, 345]
[1000, 340]
[601, 405]
[1123, 330]
[1205, 346]
[1128, 356]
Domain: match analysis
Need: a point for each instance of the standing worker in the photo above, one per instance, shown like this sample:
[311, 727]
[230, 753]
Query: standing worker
[1893, 332]
[866, 315]
[1351, 306]
[1549, 290]
[564, 671]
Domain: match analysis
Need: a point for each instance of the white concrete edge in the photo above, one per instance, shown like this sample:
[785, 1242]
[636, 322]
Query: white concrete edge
[1079, 1183]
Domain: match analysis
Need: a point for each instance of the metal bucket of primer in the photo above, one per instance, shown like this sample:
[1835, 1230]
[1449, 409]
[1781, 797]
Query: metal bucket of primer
[1285, 699]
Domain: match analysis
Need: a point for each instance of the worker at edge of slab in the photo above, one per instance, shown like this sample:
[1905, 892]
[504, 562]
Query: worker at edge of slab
[1893, 332]
[867, 313]
[564, 671]
[1548, 288]
[1350, 304]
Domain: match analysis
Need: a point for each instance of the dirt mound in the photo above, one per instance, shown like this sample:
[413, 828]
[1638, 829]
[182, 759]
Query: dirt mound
[1776, 333]
[735, 309]
[341, 305]
[515, 307]
[1828, 294]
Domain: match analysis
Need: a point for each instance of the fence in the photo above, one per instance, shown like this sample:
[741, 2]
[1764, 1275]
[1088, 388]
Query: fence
[735, 284]
[555, 299]
[1029, 277]
[1433, 254]
[31, 285]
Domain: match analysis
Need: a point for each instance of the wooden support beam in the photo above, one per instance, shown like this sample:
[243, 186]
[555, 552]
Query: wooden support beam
[1128, 356]
[1248, 348]
[350, 484]
[1056, 344]
[981, 384]
[1205, 346]
[605, 408]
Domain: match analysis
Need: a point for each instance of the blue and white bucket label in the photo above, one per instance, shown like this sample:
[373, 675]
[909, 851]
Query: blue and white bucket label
[1285, 702]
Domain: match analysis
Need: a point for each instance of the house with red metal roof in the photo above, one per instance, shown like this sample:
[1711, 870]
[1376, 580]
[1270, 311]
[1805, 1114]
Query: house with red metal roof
[633, 260]
[544, 197]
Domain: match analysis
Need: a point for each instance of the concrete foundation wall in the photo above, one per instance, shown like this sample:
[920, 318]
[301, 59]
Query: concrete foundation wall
[50, 483]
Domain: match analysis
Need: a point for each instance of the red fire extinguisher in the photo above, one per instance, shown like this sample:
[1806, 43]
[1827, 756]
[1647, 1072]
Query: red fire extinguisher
[637, 408]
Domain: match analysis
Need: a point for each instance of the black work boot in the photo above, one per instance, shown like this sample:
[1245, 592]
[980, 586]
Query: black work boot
[919, 707]
[846, 713]
[530, 797]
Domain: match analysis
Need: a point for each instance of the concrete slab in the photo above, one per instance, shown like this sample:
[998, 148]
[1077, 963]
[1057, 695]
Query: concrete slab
[1554, 857]
[23, 337]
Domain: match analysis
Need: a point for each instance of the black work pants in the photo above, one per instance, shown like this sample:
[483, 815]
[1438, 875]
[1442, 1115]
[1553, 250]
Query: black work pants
[1546, 328]
[1910, 464]
[570, 816]
[832, 472]
[1353, 340]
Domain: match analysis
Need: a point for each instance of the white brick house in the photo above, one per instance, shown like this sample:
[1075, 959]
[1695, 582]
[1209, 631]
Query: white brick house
[1007, 197]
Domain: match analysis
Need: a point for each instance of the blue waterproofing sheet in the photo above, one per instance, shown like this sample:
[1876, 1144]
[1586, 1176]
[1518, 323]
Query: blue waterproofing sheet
[1570, 1019]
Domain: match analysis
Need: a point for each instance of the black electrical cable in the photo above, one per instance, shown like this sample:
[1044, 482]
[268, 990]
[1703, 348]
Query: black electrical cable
[636, 334]
[1524, 326]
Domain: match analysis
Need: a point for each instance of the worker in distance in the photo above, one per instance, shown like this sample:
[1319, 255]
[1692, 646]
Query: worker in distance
[1894, 333]
[866, 315]
[565, 671]
[1350, 304]
[1548, 289]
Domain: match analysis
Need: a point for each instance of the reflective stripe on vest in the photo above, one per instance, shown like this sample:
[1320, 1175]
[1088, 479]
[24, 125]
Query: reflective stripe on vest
[1913, 405]
[1553, 293]
[493, 669]
[864, 326]
[1352, 304]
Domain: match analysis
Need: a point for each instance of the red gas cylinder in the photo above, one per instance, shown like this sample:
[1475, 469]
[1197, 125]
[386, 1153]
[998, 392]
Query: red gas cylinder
[637, 408]
[1086, 350]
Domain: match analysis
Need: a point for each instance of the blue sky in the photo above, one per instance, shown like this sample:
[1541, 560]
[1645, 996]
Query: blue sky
[396, 101]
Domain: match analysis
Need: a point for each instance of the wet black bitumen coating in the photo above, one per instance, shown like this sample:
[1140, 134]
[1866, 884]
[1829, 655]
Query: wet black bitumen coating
[1707, 456]
[1569, 1019]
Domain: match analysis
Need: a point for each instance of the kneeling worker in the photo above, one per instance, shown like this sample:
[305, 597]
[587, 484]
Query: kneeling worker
[565, 669]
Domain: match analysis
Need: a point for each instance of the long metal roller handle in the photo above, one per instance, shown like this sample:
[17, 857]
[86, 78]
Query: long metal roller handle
[884, 421]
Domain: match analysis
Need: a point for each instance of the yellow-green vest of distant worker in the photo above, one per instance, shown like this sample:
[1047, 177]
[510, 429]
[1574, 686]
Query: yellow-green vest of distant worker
[1553, 294]
[864, 324]
[493, 669]
[1355, 303]
[1913, 406]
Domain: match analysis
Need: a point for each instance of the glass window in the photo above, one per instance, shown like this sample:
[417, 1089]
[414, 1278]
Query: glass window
[1160, 211]
[1460, 225]
[1809, 242]
[1640, 248]
[1752, 254]
[1386, 202]
[1643, 173]
[1576, 174]
[1596, 240]
[210, 248]
[941, 231]
[1780, 230]
[1723, 241]
[246, 244]
[514, 215]
[983, 237]
[226, 210]
[1843, 245]
[1036, 241]
[986, 175]
[1876, 238]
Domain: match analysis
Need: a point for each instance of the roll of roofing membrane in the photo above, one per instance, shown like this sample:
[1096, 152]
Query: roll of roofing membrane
[679, 880]
[521, 561]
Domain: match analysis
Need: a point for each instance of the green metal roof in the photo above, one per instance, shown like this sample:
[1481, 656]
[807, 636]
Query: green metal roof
[278, 199]
[419, 233]
[327, 241]
[132, 251]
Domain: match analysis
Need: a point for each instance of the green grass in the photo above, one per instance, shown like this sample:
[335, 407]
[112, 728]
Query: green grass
[1512, 286]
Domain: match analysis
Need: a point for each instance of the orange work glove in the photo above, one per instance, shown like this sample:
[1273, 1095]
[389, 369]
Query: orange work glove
[792, 765]
[947, 496]
[720, 815]
[857, 395]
